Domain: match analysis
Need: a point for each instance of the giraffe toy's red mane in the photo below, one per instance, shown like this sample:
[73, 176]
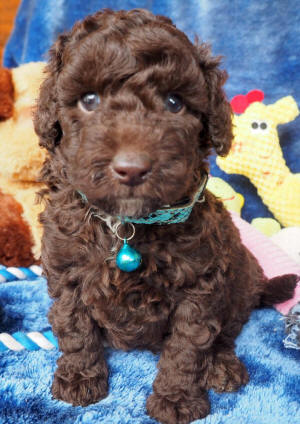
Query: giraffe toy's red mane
[240, 102]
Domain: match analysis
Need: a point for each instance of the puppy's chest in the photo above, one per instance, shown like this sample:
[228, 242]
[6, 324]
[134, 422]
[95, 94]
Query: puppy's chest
[135, 309]
[134, 314]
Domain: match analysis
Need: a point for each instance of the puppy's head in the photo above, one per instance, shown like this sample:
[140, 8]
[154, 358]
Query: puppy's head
[130, 109]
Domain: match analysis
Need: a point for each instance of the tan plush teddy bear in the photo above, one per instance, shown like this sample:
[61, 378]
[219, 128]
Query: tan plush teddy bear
[20, 161]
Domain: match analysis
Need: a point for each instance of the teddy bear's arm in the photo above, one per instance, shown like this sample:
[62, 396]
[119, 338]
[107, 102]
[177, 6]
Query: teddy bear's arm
[15, 237]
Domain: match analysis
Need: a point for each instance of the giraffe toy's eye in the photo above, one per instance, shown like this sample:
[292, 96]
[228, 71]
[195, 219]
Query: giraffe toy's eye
[263, 125]
[259, 126]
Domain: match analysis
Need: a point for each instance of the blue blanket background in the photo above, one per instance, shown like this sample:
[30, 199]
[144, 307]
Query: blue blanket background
[260, 41]
[271, 397]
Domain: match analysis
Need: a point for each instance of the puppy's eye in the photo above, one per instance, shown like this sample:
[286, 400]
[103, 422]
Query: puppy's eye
[89, 101]
[173, 103]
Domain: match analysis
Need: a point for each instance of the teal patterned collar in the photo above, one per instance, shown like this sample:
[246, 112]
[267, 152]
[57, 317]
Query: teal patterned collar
[167, 214]
[171, 214]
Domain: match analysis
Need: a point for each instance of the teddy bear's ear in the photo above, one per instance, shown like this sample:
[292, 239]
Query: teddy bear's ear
[218, 118]
[6, 94]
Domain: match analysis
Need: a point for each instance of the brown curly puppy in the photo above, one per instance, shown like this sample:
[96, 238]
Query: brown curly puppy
[129, 112]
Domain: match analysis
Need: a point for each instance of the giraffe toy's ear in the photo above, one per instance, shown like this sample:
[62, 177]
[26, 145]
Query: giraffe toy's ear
[240, 102]
[284, 110]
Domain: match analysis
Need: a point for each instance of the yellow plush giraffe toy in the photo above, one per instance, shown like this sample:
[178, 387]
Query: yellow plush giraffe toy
[256, 153]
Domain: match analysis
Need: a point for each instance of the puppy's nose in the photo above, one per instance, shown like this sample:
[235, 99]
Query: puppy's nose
[131, 169]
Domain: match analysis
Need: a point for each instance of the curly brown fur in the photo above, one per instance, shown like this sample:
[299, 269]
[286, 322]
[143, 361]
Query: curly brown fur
[197, 284]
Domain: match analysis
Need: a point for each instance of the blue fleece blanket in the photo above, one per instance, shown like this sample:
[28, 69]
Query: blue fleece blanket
[260, 41]
[271, 397]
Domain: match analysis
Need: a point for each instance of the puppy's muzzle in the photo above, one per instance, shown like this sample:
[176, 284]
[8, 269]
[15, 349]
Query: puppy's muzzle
[131, 168]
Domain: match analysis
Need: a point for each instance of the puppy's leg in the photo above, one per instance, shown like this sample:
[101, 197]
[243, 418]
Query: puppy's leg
[179, 388]
[81, 376]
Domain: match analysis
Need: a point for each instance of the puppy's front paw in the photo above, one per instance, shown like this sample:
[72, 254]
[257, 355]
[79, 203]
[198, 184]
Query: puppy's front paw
[80, 392]
[184, 411]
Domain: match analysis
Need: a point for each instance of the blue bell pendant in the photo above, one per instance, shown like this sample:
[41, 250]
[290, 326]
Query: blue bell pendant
[128, 259]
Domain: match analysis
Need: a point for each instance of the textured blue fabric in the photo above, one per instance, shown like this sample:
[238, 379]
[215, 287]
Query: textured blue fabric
[272, 396]
[259, 39]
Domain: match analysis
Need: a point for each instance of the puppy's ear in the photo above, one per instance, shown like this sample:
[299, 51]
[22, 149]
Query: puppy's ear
[46, 122]
[219, 114]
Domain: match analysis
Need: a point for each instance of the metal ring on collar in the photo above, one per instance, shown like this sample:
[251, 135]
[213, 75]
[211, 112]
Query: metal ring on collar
[125, 238]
